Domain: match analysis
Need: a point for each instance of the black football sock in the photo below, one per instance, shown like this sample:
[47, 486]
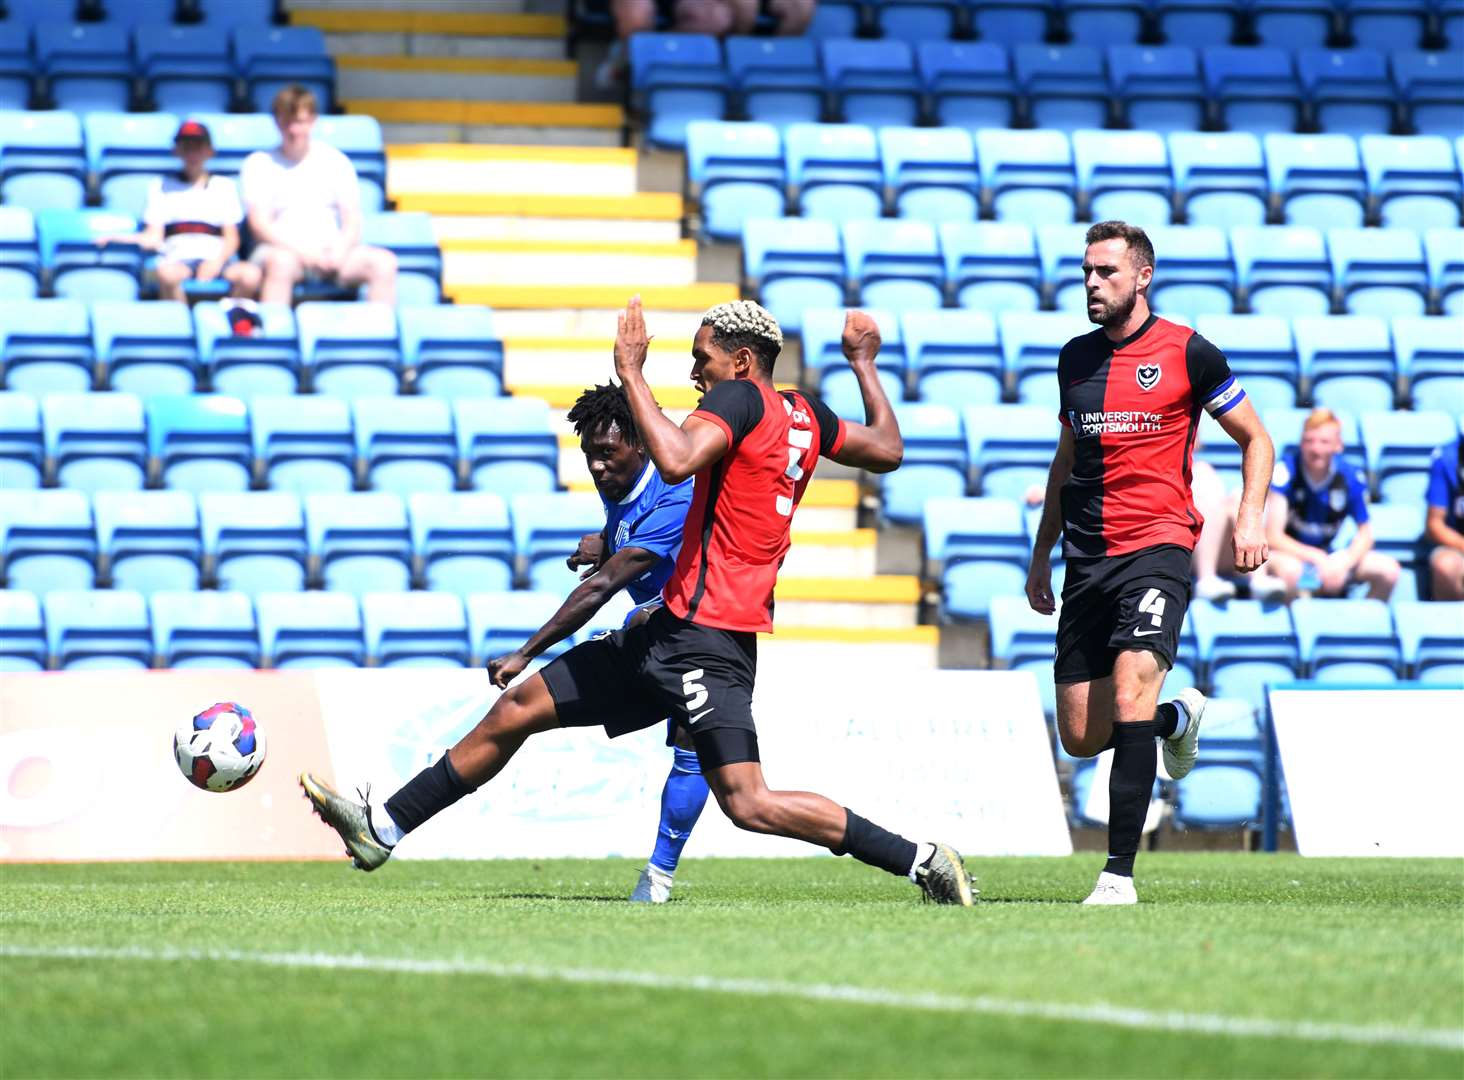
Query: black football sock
[1166, 720]
[870, 844]
[1130, 785]
[430, 792]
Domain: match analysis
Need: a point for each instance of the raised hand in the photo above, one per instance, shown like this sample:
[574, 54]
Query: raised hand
[861, 337]
[631, 340]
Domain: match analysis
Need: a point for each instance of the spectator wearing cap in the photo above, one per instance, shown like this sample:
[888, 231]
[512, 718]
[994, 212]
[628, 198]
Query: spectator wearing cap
[192, 221]
[304, 209]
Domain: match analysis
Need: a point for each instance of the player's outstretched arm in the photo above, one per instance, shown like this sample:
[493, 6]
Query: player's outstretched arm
[1257, 460]
[1039, 572]
[874, 445]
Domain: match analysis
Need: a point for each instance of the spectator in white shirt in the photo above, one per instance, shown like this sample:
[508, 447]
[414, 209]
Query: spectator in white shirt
[305, 211]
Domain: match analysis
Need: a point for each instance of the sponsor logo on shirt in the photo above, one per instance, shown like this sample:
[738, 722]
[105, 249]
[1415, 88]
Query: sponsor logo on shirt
[1115, 422]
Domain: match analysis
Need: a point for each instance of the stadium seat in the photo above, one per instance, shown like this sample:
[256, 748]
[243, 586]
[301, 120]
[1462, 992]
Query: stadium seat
[46, 346]
[1220, 177]
[836, 171]
[1293, 24]
[916, 21]
[417, 630]
[1195, 275]
[255, 541]
[1124, 176]
[1432, 636]
[200, 442]
[1028, 175]
[273, 57]
[150, 539]
[47, 541]
[351, 350]
[547, 529]
[992, 266]
[674, 79]
[825, 366]
[146, 347]
[235, 13]
[128, 152]
[1061, 250]
[410, 238]
[954, 355]
[894, 264]
[1197, 23]
[1387, 24]
[1399, 448]
[406, 444]
[454, 350]
[1102, 22]
[264, 362]
[310, 630]
[1160, 88]
[1261, 355]
[16, 67]
[931, 173]
[87, 66]
[42, 160]
[213, 630]
[1219, 793]
[1347, 361]
[735, 172]
[611, 617]
[1252, 90]
[1025, 640]
[463, 541]
[1396, 528]
[1245, 645]
[969, 83]
[934, 465]
[1284, 269]
[778, 80]
[792, 264]
[361, 542]
[187, 68]
[1317, 179]
[236, 136]
[1348, 90]
[980, 547]
[500, 622]
[1444, 249]
[1379, 271]
[508, 444]
[1030, 342]
[20, 254]
[1347, 641]
[1430, 353]
[304, 444]
[1414, 181]
[1011, 22]
[22, 632]
[98, 630]
[359, 138]
[1065, 86]
[872, 82]
[22, 448]
[1010, 447]
[98, 441]
[1431, 88]
[79, 267]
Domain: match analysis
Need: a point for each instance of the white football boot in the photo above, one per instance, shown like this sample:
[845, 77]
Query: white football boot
[654, 886]
[1181, 751]
[1112, 890]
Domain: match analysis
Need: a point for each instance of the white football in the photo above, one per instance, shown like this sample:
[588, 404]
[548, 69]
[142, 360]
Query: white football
[221, 748]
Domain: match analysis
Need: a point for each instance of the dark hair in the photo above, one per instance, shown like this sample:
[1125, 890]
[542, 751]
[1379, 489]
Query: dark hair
[763, 348]
[1141, 251]
[599, 407]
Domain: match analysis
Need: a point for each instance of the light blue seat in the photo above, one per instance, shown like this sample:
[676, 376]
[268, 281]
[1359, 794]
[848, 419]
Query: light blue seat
[361, 542]
[264, 363]
[1431, 87]
[1284, 269]
[46, 346]
[500, 622]
[1219, 793]
[1347, 641]
[1028, 175]
[410, 238]
[1220, 177]
[1413, 180]
[1099, 22]
[1399, 448]
[955, 356]
[1244, 646]
[675, 79]
[792, 264]
[1160, 87]
[969, 83]
[200, 442]
[212, 630]
[978, 549]
[934, 465]
[351, 350]
[273, 57]
[146, 346]
[310, 630]
[128, 152]
[1030, 342]
[1025, 640]
[98, 630]
[894, 264]
[1347, 361]
[778, 80]
[42, 160]
[98, 441]
[1444, 249]
[1347, 90]
[1124, 175]
[406, 444]
[991, 265]
[1396, 528]
[932, 173]
[836, 171]
[150, 539]
[20, 254]
[1293, 24]
[87, 65]
[1233, 730]
[1195, 275]
[47, 540]
[1379, 271]
[1253, 89]
[1318, 179]
[547, 529]
[187, 68]
[1196, 23]
[1430, 352]
[872, 82]
[78, 267]
[1065, 86]
[823, 358]
[22, 447]
[1011, 22]
[304, 444]
[463, 541]
[416, 630]
[736, 172]
[255, 541]
[1062, 249]
[1261, 355]
[609, 618]
[1010, 447]
[508, 444]
[1432, 637]
[22, 632]
[359, 138]
[916, 20]
[236, 136]
[453, 348]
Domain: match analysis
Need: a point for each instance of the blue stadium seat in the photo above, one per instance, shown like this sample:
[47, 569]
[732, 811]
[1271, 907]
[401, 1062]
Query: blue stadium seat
[98, 440]
[213, 630]
[1124, 175]
[265, 362]
[954, 355]
[406, 444]
[86, 66]
[464, 541]
[1160, 88]
[255, 541]
[454, 350]
[1011, 22]
[1065, 86]
[1293, 24]
[1062, 249]
[508, 444]
[980, 546]
[547, 528]
[836, 171]
[1220, 177]
[98, 630]
[792, 264]
[200, 442]
[22, 632]
[1451, 20]
[1318, 179]
[969, 83]
[1197, 23]
[1347, 641]
[1030, 342]
[251, 14]
[1347, 361]
[1245, 645]
[1025, 640]
[16, 67]
[1195, 275]
[1414, 180]
[1430, 353]
[147, 347]
[79, 267]
[310, 630]
[1432, 636]
[236, 136]
[836, 19]
[778, 80]
[1348, 90]
[1284, 269]
[823, 359]
[1010, 447]
[500, 622]
[350, 349]
[419, 260]
[873, 82]
[736, 172]
[304, 444]
[611, 617]
[1103, 22]
[47, 541]
[361, 542]
[128, 152]
[992, 266]
[931, 173]
[22, 448]
[1219, 793]
[1444, 249]
[916, 21]
[187, 68]
[894, 264]
[42, 160]
[271, 58]
[1387, 24]
[1253, 90]
[1396, 528]
[676, 78]
[1400, 446]
[20, 254]
[1028, 175]
[1261, 355]
[150, 539]
[1431, 89]
[417, 630]
[1379, 271]
[934, 465]
[360, 139]
[46, 346]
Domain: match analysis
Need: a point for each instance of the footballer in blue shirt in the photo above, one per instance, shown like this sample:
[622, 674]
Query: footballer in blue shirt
[644, 518]
[1445, 528]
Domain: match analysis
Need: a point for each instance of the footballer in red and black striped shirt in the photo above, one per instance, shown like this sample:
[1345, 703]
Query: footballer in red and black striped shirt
[1119, 492]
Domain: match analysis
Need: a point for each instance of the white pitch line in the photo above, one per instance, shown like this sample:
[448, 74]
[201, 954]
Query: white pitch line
[1115, 1016]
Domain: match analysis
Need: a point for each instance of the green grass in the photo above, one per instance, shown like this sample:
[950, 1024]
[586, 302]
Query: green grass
[1353, 943]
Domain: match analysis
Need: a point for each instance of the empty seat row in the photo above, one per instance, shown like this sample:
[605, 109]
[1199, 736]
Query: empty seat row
[78, 630]
[680, 78]
[843, 172]
[225, 13]
[275, 542]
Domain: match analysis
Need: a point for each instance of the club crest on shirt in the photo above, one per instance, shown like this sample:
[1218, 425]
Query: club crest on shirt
[1339, 499]
[1147, 376]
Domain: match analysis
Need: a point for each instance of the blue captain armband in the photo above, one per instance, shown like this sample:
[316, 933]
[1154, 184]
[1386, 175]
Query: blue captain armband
[1227, 396]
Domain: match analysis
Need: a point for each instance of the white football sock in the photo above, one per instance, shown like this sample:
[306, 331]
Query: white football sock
[1182, 725]
[386, 830]
[922, 853]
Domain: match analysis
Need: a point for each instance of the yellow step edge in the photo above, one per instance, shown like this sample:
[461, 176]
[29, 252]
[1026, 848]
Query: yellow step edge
[697, 297]
[605, 346]
[646, 206]
[515, 113]
[466, 24]
[831, 494]
[462, 65]
[843, 538]
[859, 635]
[563, 395]
[574, 155]
[884, 589]
[670, 249]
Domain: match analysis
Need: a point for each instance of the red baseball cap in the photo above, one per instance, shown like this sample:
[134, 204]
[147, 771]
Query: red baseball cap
[192, 129]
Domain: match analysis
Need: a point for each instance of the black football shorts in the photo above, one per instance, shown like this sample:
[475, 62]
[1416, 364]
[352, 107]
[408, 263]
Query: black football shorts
[1115, 602]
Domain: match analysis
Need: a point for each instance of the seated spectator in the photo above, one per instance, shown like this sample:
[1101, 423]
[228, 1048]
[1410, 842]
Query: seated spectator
[1445, 527]
[1313, 493]
[305, 211]
[715, 17]
[192, 220]
[1218, 510]
[790, 17]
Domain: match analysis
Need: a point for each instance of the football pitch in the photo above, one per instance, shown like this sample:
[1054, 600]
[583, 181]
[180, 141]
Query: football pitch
[1233, 965]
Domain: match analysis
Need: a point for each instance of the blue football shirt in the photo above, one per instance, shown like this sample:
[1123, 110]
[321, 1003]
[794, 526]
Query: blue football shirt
[652, 517]
[1446, 483]
[1315, 514]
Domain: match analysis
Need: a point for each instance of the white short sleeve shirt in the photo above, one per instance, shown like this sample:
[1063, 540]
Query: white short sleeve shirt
[192, 215]
[304, 198]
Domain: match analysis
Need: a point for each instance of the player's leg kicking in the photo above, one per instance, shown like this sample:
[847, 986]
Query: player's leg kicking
[682, 800]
